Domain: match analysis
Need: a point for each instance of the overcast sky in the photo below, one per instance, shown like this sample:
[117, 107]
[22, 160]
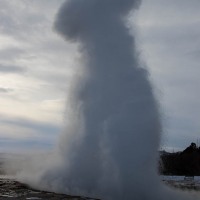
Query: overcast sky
[37, 66]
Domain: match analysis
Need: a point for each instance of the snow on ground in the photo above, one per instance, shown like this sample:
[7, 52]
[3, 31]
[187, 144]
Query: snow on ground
[178, 178]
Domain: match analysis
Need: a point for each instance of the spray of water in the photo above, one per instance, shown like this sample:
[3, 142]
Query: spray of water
[109, 148]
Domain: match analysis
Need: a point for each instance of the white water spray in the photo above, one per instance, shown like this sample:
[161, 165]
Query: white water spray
[110, 146]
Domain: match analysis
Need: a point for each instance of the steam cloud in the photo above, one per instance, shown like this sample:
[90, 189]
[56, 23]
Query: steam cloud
[110, 147]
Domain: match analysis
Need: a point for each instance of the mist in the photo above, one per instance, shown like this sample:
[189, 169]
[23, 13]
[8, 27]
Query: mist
[113, 125]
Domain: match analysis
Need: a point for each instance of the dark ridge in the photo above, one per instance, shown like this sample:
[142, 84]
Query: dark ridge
[185, 163]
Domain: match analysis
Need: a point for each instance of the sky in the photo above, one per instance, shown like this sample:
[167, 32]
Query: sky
[37, 68]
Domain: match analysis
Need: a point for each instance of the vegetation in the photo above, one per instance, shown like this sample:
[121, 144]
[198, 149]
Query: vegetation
[185, 163]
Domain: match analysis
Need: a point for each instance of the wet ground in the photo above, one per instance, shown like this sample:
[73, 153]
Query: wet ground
[11, 189]
[183, 185]
[191, 183]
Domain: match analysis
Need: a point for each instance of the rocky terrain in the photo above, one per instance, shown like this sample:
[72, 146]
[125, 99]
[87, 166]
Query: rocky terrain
[182, 182]
[12, 189]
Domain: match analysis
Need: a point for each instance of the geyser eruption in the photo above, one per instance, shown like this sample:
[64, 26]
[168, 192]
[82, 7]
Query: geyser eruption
[110, 149]
[110, 146]
[119, 116]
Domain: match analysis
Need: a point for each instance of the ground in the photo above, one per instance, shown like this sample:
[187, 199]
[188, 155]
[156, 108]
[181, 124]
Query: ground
[12, 189]
[182, 182]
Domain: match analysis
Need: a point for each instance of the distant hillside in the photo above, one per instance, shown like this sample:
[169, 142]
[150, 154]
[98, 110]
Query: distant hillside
[186, 162]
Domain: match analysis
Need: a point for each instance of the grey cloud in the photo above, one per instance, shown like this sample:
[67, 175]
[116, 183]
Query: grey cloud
[10, 53]
[170, 39]
[48, 129]
[44, 137]
[5, 90]
[23, 23]
[18, 145]
[171, 11]
[194, 54]
[175, 39]
[7, 22]
[165, 21]
[25, 20]
[7, 69]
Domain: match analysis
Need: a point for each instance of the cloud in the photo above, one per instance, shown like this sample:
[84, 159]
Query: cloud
[11, 53]
[7, 69]
[5, 90]
[19, 133]
[37, 126]
[30, 45]
[27, 18]
[169, 41]
[195, 54]
[28, 145]
[14, 24]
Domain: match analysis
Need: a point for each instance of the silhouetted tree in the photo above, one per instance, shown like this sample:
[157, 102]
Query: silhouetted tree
[186, 162]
